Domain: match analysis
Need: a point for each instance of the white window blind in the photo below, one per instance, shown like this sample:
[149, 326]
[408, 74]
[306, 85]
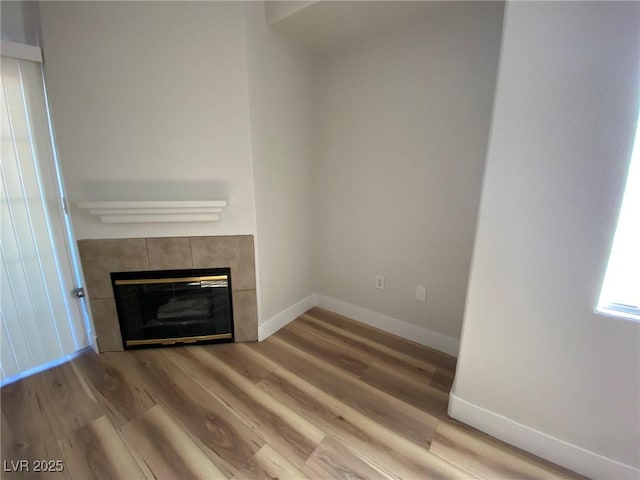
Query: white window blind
[39, 324]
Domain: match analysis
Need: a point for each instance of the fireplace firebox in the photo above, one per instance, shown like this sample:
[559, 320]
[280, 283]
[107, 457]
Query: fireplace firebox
[168, 307]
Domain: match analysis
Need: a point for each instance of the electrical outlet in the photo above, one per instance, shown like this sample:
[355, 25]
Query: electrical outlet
[380, 282]
[421, 293]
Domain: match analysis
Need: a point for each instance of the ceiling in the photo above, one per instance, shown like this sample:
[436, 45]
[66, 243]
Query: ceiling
[322, 26]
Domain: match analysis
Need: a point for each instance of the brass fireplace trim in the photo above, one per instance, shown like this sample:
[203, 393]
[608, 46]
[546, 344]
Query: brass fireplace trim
[173, 340]
[141, 281]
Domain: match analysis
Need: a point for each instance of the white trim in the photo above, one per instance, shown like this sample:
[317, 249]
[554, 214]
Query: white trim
[21, 51]
[397, 327]
[617, 314]
[156, 212]
[160, 218]
[279, 320]
[133, 205]
[392, 325]
[539, 443]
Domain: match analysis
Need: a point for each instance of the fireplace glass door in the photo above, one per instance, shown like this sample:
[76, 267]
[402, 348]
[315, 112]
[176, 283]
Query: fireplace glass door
[174, 306]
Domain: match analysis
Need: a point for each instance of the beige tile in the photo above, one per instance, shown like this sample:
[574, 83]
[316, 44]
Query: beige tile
[245, 315]
[169, 253]
[100, 257]
[105, 319]
[234, 251]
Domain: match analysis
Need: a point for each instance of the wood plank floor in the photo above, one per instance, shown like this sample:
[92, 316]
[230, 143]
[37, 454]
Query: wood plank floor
[325, 397]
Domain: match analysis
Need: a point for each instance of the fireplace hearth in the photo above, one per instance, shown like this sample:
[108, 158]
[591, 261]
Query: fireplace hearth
[169, 307]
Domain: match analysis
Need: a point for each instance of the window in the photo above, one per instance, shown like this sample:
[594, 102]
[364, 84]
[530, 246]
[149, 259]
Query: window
[620, 294]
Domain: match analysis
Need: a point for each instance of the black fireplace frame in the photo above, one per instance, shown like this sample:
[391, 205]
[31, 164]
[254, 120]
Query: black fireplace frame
[166, 275]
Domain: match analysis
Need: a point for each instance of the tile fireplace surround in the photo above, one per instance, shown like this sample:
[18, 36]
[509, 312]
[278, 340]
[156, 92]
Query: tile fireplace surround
[100, 257]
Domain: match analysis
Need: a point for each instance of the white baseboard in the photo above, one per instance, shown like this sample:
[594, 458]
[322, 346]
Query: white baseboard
[403, 329]
[279, 320]
[400, 328]
[539, 443]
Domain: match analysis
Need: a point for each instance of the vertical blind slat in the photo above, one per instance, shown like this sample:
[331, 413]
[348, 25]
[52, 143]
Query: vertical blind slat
[38, 225]
[29, 281]
[47, 194]
[16, 329]
[12, 256]
[9, 358]
[38, 321]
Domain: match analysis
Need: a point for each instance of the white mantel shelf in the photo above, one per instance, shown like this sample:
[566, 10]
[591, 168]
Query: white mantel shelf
[156, 212]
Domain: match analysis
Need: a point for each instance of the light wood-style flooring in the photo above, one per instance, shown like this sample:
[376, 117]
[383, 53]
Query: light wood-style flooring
[325, 397]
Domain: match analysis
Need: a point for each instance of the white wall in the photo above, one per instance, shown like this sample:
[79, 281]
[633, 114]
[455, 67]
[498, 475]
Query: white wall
[281, 95]
[535, 361]
[403, 125]
[149, 102]
[277, 10]
[20, 22]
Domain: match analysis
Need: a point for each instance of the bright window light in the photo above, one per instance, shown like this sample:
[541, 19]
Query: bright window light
[620, 294]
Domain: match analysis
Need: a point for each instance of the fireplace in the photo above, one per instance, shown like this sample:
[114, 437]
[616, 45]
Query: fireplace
[101, 257]
[168, 307]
